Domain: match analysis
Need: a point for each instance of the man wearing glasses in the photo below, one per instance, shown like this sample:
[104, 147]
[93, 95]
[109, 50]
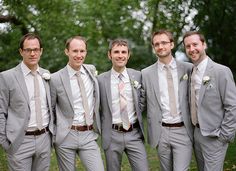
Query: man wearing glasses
[25, 111]
[165, 96]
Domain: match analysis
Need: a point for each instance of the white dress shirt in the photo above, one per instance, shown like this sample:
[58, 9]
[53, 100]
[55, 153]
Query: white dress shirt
[29, 80]
[164, 96]
[116, 117]
[201, 68]
[79, 117]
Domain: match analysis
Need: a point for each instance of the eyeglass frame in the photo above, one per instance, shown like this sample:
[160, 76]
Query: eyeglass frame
[163, 43]
[29, 51]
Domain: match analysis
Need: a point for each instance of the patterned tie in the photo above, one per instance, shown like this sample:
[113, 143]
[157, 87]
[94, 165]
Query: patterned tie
[37, 99]
[193, 98]
[84, 99]
[171, 92]
[123, 104]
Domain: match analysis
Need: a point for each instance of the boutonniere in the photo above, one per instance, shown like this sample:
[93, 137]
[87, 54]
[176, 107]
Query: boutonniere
[135, 84]
[46, 76]
[184, 77]
[206, 80]
[95, 73]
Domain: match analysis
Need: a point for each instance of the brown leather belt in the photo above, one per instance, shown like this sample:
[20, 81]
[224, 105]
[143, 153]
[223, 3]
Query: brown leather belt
[120, 128]
[82, 128]
[37, 132]
[180, 124]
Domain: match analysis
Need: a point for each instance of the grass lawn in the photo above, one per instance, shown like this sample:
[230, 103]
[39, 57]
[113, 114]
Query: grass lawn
[230, 161]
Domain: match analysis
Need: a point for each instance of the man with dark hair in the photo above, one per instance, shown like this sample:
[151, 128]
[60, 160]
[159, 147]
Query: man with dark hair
[165, 97]
[121, 118]
[213, 105]
[75, 103]
[26, 119]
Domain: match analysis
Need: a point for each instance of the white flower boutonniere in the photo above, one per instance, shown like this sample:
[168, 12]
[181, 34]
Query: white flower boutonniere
[95, 73]
[206, 80]
[184, 77]
[46, 76]
[135, 84]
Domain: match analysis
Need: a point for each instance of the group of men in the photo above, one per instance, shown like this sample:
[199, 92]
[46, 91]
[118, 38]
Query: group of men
[187, 106]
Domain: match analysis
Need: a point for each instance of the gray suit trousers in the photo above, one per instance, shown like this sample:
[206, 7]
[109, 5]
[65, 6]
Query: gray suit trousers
[33, 154]
[174, 149]
[84, 144]
[130, 143]
[209, 151]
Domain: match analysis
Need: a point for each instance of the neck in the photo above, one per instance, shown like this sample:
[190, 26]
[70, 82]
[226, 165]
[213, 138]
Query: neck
[166, 60]
[119, 70]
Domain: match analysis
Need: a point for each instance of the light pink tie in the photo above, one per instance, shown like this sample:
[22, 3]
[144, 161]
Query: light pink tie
[193, 98]
[123, 104]
[171, 91]
[37, 99]
[84, 99]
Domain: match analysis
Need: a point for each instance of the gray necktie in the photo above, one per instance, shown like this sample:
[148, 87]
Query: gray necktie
[171, 91]
[84, 99]
[37, 99]
[193, 98]
[123, 104]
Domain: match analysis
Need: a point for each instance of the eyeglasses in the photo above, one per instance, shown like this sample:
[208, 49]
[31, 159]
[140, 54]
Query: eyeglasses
[163, 43]
[28, 50]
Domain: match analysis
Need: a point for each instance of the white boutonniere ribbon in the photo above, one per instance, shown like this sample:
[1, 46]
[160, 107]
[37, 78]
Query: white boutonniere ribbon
[184, 77]
[135, 84]
[46, 76]
[206, 80]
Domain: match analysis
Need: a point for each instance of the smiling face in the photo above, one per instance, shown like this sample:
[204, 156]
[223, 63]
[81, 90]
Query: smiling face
[162, 46]
[76, 53]
[31, 53]
[119, 56]
[195, 48]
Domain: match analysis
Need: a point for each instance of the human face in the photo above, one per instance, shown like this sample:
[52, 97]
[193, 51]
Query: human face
[31, 53]
[119, 56]
[162, 46]
[76, 53]
[195, 48]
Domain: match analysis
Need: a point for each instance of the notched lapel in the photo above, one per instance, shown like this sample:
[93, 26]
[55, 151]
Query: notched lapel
[181, 81]
[107, 84]
[155, 83]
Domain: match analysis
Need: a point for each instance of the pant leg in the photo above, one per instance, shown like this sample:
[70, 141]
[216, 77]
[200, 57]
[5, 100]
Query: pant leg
[41, 159]
[89, 151]
[66, 152]
[21, 160]
[164, 150]
[181, 145]
[135, 150]
[115, 151]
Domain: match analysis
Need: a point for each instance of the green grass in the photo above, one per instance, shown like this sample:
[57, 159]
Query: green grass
[229, 165]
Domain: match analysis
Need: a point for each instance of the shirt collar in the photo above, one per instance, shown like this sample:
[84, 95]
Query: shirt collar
[116, 74]
[72, 72]
[172, 64]
[26, 70]
[202, 65]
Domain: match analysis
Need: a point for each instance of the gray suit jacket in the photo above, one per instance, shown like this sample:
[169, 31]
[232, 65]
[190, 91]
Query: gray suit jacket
[104, 81]
[151, 100]
[217, 103]
[62, 102]
[15, 108]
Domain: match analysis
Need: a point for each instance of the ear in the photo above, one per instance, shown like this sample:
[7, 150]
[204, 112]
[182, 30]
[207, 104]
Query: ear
[21, 51]
[172, 45]
[41, 51]
[109, 55]
[66, 52]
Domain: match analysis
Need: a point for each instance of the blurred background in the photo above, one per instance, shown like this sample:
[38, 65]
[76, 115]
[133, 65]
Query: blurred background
[102, 20]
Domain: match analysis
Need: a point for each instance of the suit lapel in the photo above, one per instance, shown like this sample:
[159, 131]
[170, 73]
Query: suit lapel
[21, 81]
[207, 73]
[65, 78]
[155, 82]
[180, 72]
[107, 83]
[134, 91]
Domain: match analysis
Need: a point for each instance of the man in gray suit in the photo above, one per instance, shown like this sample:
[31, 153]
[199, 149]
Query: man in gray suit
[26, 117]
[121, 119]
[75, 102]
[165, 96]
[213, 109]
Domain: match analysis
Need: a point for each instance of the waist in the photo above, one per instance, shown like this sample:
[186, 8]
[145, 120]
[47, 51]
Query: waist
[37, 132]
[82, 128]
[180, 124]
[120, 128]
